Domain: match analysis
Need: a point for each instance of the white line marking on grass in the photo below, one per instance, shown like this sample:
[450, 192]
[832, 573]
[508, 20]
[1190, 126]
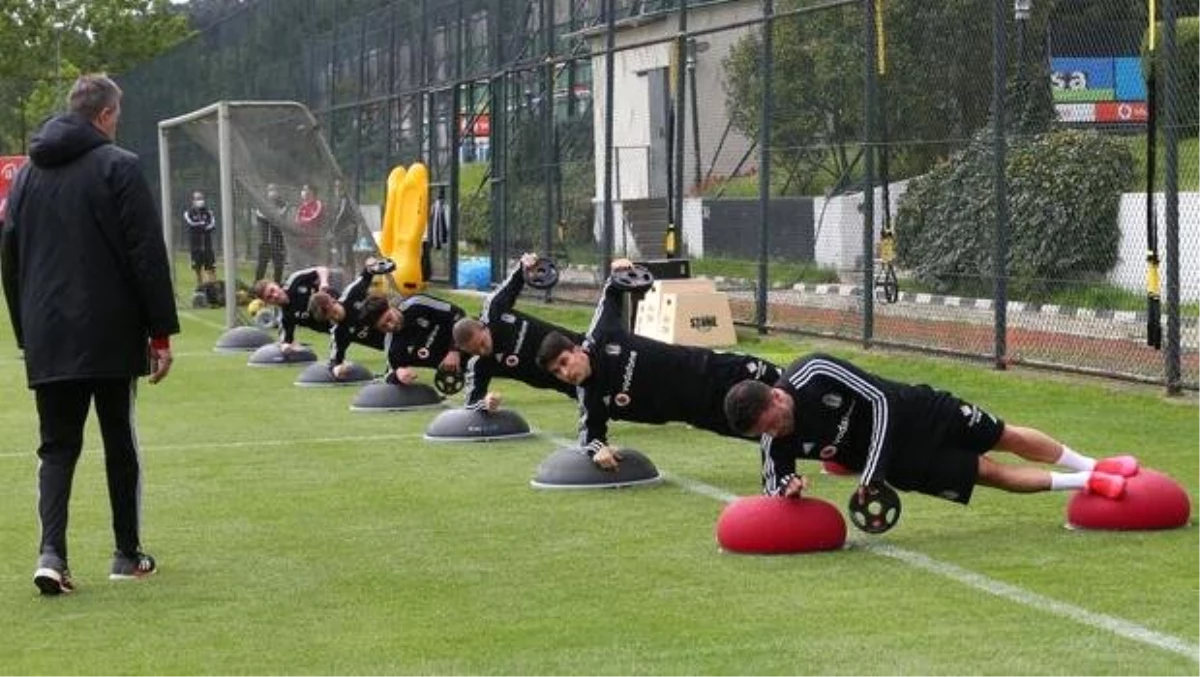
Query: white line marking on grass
[242, 444]
[200, 320]
[1117, 626]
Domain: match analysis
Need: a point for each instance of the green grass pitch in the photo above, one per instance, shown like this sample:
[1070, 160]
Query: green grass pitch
[297, 537]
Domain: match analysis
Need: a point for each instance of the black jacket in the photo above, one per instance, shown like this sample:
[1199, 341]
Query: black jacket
[85, 268]
[516, 338]
[425, 337]
[634, 378]
[300, 286]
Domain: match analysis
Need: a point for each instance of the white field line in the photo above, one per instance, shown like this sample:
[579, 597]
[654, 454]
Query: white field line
[200, 320]
[1118, 626]
[242, 444]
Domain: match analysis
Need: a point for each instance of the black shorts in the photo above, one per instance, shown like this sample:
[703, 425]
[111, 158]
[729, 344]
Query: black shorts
[941, 457]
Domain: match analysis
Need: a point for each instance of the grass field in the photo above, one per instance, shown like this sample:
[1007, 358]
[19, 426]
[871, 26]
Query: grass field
[295, 537]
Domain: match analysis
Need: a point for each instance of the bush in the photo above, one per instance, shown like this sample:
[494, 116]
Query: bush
[1064, 193]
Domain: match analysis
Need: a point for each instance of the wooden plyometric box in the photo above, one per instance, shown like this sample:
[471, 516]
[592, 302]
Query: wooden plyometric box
[686, 312]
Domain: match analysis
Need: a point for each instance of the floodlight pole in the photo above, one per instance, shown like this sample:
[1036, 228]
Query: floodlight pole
[225, 150]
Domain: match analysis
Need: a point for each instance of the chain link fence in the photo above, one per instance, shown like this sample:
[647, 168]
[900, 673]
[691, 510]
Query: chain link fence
[844, 168]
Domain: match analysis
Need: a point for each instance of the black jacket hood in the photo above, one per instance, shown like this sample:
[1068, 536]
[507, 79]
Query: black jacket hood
[64, 138]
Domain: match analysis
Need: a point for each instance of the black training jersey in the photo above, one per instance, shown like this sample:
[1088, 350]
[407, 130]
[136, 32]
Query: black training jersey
[199, 220]
[635, 378]
[300, 286]
[426, 335]
[352, 329]
[846, 415]
[516, 338]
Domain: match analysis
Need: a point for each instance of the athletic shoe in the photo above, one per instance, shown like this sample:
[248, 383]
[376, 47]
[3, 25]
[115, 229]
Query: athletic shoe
[126, 567]
[1105, 484]
[1125, 466]
[52, 576]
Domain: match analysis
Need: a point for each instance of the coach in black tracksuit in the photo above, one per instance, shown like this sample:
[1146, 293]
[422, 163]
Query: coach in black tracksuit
[504, 343]
[88, 284]
[623, 376]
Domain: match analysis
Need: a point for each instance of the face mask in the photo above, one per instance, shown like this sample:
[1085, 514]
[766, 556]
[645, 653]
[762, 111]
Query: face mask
[198, 203]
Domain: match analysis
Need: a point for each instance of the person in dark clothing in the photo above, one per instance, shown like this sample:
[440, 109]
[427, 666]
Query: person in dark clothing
[504, 342]
[417, 333]
[912, 437]
[271, 248]
[199, 223]
[437, 233]
[623, 376]
[345, 227]
[292, 298]
[88, 284]
[345, 316]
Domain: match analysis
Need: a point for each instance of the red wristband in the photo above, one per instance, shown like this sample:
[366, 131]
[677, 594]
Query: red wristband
[161, 343]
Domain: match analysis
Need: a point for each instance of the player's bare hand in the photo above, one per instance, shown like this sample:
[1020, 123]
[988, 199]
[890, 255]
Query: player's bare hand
[607, 458]
[798, 484]
[528, 259]
[451, 362]
[160, 364]
[406, 376]
[620, 264]
[491, 401]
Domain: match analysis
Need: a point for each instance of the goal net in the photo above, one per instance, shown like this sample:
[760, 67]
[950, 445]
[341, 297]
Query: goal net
[251, 191]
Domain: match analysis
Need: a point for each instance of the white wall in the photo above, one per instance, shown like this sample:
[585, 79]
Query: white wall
[631, 121]
[623, 242]
[1130, 271]
[692, 232]
[631, 128]
[838, 234]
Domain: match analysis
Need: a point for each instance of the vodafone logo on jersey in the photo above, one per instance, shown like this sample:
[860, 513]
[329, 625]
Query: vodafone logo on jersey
[9, 166]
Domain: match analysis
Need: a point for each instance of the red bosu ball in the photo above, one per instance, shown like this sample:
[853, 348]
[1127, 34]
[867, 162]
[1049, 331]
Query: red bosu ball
[772, 525]
[1152, 500]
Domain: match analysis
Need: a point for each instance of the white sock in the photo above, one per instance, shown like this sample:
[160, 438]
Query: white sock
[1060, 481]
[1075, 460]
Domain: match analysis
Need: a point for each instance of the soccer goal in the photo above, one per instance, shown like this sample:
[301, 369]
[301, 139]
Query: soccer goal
[277, 199]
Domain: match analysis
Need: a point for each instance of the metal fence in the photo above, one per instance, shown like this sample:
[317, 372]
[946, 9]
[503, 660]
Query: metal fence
[744, 135]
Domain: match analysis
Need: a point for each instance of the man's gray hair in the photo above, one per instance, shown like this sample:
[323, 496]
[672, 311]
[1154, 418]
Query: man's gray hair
[91, 94]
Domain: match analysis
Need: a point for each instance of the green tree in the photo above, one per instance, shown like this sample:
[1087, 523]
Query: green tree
[937, 88]
[47, 44]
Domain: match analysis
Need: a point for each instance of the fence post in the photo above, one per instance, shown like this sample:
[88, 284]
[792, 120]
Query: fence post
[391, 90]
[359, 170]
[868, 184]
[499, 111]
[675, 233]
[455, 142]
[1171, 150]
[610, 40]
[547, 141]
[764, 162]
[1000, 182]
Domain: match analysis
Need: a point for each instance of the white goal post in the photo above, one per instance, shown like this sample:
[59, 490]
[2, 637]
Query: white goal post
[259, 147]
